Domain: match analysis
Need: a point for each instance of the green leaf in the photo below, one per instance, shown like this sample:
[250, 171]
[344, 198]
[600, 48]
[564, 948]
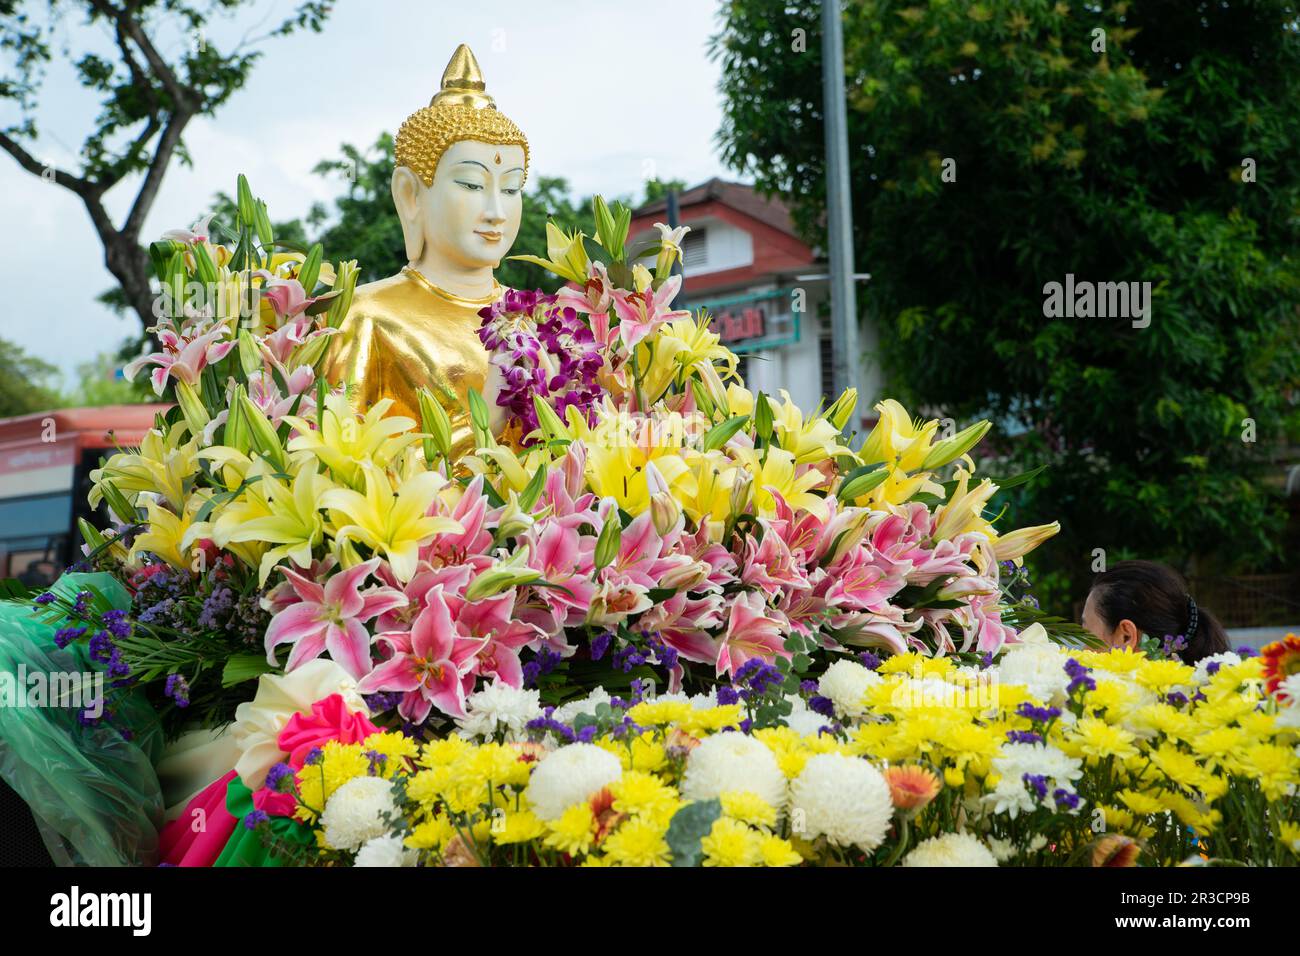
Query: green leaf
[688, 828]
[243, 667]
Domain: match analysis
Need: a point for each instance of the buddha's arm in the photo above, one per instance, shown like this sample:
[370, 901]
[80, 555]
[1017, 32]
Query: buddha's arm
[349, 359]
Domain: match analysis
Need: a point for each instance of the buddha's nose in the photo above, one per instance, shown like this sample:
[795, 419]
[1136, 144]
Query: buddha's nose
[494, 213]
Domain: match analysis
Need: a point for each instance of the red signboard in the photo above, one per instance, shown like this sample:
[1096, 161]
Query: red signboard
[736, 325]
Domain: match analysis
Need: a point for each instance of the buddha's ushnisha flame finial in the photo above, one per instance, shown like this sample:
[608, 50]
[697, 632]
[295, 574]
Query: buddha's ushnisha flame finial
[460, 110]
[462, 81]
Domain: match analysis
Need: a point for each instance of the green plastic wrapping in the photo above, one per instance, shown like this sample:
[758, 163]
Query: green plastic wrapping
[93, 793]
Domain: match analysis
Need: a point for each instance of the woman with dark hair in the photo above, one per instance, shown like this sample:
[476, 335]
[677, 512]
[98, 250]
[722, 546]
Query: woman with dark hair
[1143, 597]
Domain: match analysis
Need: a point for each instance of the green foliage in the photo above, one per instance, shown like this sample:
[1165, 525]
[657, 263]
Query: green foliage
[1125, 165]
[26, 382]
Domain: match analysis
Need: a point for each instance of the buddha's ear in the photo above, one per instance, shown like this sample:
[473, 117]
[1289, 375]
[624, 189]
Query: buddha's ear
[406, 199]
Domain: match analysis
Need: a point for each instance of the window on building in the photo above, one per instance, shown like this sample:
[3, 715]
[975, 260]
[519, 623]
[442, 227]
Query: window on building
[742, 367]
[826, 356]
[694, 249]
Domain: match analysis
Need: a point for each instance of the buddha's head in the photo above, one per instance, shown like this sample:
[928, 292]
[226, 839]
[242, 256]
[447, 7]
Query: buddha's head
[461, 165]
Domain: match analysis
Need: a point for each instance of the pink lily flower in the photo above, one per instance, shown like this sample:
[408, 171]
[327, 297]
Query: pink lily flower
[469, 546]
[751, 632]
[593, 298]
[770, 566]
[641, 313]
[683, 623]
[492, 620]
[428, 664]
[184, 361]
[198, 232]
[287, 296]
[566, 558]
[331, 618]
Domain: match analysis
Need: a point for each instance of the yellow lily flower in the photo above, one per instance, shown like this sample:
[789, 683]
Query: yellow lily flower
[566, 255]
[809, 442]
[394, 523]
[162, 465]
[345, 444]
[293, 521]
[167, 532]
[777, 473]
[685, 348]
[964, 511]
[897, 439]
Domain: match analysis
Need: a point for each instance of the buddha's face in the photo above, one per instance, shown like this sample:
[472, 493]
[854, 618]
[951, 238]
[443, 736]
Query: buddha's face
[470, 213]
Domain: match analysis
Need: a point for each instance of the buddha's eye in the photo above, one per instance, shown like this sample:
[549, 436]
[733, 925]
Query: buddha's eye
[511, 190]
[475, 186]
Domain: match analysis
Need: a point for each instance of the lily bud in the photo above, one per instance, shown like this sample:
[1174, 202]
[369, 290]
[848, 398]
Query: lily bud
[842, 409]
[237, 434]
[857, 485]
[665, 512]
[262, 434]
[196, 416]
[607, 545]
[515, 521]
[434, 421]
[250, 356]
[505, 575]
[741, 490]
[345, 284]
[950, 449]
[1018, 543]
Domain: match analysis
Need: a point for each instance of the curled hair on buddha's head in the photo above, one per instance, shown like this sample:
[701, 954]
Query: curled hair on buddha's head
[460, 110]
[1155, 598]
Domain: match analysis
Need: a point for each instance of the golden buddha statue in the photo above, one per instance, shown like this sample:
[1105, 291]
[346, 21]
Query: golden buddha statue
[458, 189]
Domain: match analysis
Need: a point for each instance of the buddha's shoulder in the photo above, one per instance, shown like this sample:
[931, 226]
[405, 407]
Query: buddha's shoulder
[383, 295]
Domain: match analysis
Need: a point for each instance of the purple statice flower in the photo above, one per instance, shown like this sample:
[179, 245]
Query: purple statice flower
[586, 735]
[216, 606]
[1037, 783]
[986, 660]
[755, 677]
[1245, 651]
[178, 689]
[746, 726]
[869, 659]
[1039, 715]
[382, 701]
[1176, 698]
[1079, 676]
[278, 776]
[377, 762]
[627, 728]
[66, 635]
[156, 613]
[627, 658]
[547, 722]
[822, 705]
[116, 624]
[1212, 668]
[664, 655]
[256, 818]
[807, 687]
[79, 606]
[46, 597]
[542, 664]
[727, 695]
[600, 644]
[1024, 737]
[1173, 644]
[314, 756]
[1065, 799]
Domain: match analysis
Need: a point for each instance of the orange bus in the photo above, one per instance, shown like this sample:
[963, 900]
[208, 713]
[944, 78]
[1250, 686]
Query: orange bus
[45, 464]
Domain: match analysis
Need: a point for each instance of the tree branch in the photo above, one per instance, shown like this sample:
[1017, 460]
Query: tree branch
[167, 144]
[179, 92]
[29, 162]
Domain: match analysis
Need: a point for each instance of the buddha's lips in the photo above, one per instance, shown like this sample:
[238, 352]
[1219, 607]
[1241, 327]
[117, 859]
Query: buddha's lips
[489, 236]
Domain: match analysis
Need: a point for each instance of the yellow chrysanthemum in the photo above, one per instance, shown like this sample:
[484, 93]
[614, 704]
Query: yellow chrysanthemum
[637, 842]
[517, 826]
[1273, 766]
[776, 851]
[574, 830]
[748, 807]
[1095, 738]
[731, 843]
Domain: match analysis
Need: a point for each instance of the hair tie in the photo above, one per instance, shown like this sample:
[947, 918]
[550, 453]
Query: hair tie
[1191, 618]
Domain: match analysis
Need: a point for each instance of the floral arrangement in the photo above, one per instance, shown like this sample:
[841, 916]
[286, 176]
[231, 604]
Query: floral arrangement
[1052, 757]
[494, 626]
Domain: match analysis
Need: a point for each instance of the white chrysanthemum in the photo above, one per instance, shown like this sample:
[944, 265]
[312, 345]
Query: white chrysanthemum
[354, 813]
[386, 850]
[1288, 713]
[805, 722]
[846, 683]
[950, 849]
[498, 708]
[1002, 850]
[1040, 668]
[1202, 673]
[842, 798]
[570, 775]
[586, 705]
[1039, 759]
[733, 761]
[1011, 797]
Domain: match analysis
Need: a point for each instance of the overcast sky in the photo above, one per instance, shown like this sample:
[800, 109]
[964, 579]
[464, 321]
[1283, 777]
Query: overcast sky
[606, 91]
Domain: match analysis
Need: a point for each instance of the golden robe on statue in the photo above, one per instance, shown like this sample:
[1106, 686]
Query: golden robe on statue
[404, 332]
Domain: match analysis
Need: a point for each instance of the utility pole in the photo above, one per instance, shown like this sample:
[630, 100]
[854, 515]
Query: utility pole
[839, 209]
